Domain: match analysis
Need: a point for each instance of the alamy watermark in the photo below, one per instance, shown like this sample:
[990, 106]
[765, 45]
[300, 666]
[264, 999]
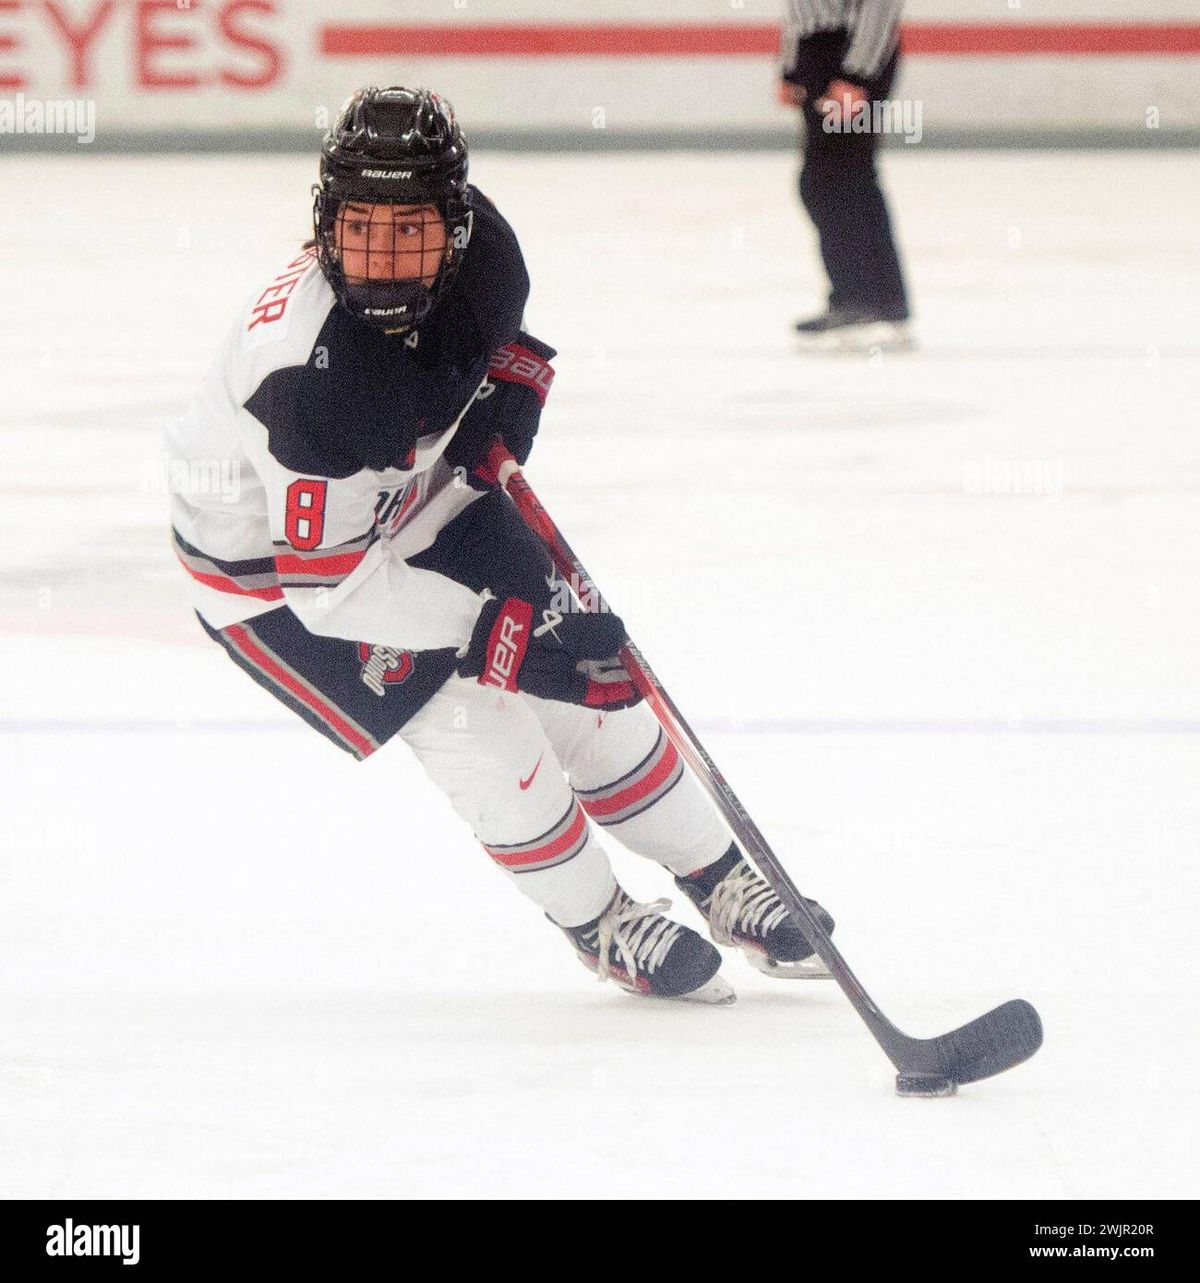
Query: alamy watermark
[69, 1239]
[21, 115]
[902, 116]
[220, 477]
[994, 476]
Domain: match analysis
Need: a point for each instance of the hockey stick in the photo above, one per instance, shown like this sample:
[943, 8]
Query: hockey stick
[996, 1041]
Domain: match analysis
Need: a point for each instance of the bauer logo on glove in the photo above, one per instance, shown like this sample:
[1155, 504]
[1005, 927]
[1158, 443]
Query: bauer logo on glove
[572, 658]
[508, 405]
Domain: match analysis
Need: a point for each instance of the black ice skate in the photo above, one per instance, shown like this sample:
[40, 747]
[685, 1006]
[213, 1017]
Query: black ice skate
[645, 953]
[741, 909]
[845, 329]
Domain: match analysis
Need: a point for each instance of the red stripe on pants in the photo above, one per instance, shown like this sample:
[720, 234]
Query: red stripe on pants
[247, 645]
[639, 790]
[548, 852]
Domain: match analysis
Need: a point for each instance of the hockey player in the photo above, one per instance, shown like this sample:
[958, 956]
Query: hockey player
[372, 582]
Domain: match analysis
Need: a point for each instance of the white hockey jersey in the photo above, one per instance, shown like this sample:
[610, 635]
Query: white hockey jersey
[327, 440]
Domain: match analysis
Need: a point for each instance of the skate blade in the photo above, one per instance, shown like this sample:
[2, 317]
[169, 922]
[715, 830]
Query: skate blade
[717, 992]
[876, 336]
[810, 968]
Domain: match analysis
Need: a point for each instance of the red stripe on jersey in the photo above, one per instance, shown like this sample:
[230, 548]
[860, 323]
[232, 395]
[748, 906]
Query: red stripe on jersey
[640, 788]
[223, 584]
[514, 860]
[339, 563]
[247, 645]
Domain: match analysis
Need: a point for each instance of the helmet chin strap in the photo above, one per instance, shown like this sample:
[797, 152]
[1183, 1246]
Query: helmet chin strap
[411, 301]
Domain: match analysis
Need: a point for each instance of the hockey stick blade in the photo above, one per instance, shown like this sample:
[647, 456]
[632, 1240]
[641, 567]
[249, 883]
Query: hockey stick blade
[988, 1045]
[996, 1041]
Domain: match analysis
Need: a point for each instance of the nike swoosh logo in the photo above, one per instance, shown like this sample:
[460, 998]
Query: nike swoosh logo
[524, 784]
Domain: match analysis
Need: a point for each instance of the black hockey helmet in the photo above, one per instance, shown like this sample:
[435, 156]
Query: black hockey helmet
[395, 147]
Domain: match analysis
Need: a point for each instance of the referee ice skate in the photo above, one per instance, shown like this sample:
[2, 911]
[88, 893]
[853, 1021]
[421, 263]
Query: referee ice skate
[839, 56]
[368, 578]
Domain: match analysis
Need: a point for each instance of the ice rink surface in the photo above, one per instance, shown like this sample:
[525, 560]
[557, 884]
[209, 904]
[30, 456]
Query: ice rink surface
[233, 963]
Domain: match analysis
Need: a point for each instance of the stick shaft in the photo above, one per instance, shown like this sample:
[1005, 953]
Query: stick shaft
[506, 471]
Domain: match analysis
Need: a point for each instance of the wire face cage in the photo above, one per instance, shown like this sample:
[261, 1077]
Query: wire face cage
[389, 262]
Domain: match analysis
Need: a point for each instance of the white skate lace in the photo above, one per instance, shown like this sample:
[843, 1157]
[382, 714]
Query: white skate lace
[743, 902]
[641, 936]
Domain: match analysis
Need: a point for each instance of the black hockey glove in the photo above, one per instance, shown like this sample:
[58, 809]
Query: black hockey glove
[572, 658]
[508, 406]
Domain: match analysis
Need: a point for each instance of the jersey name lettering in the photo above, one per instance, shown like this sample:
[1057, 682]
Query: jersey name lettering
[272, 302]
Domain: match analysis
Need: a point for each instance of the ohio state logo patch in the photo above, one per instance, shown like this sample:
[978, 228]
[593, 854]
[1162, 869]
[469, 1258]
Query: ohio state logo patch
[383, 666]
